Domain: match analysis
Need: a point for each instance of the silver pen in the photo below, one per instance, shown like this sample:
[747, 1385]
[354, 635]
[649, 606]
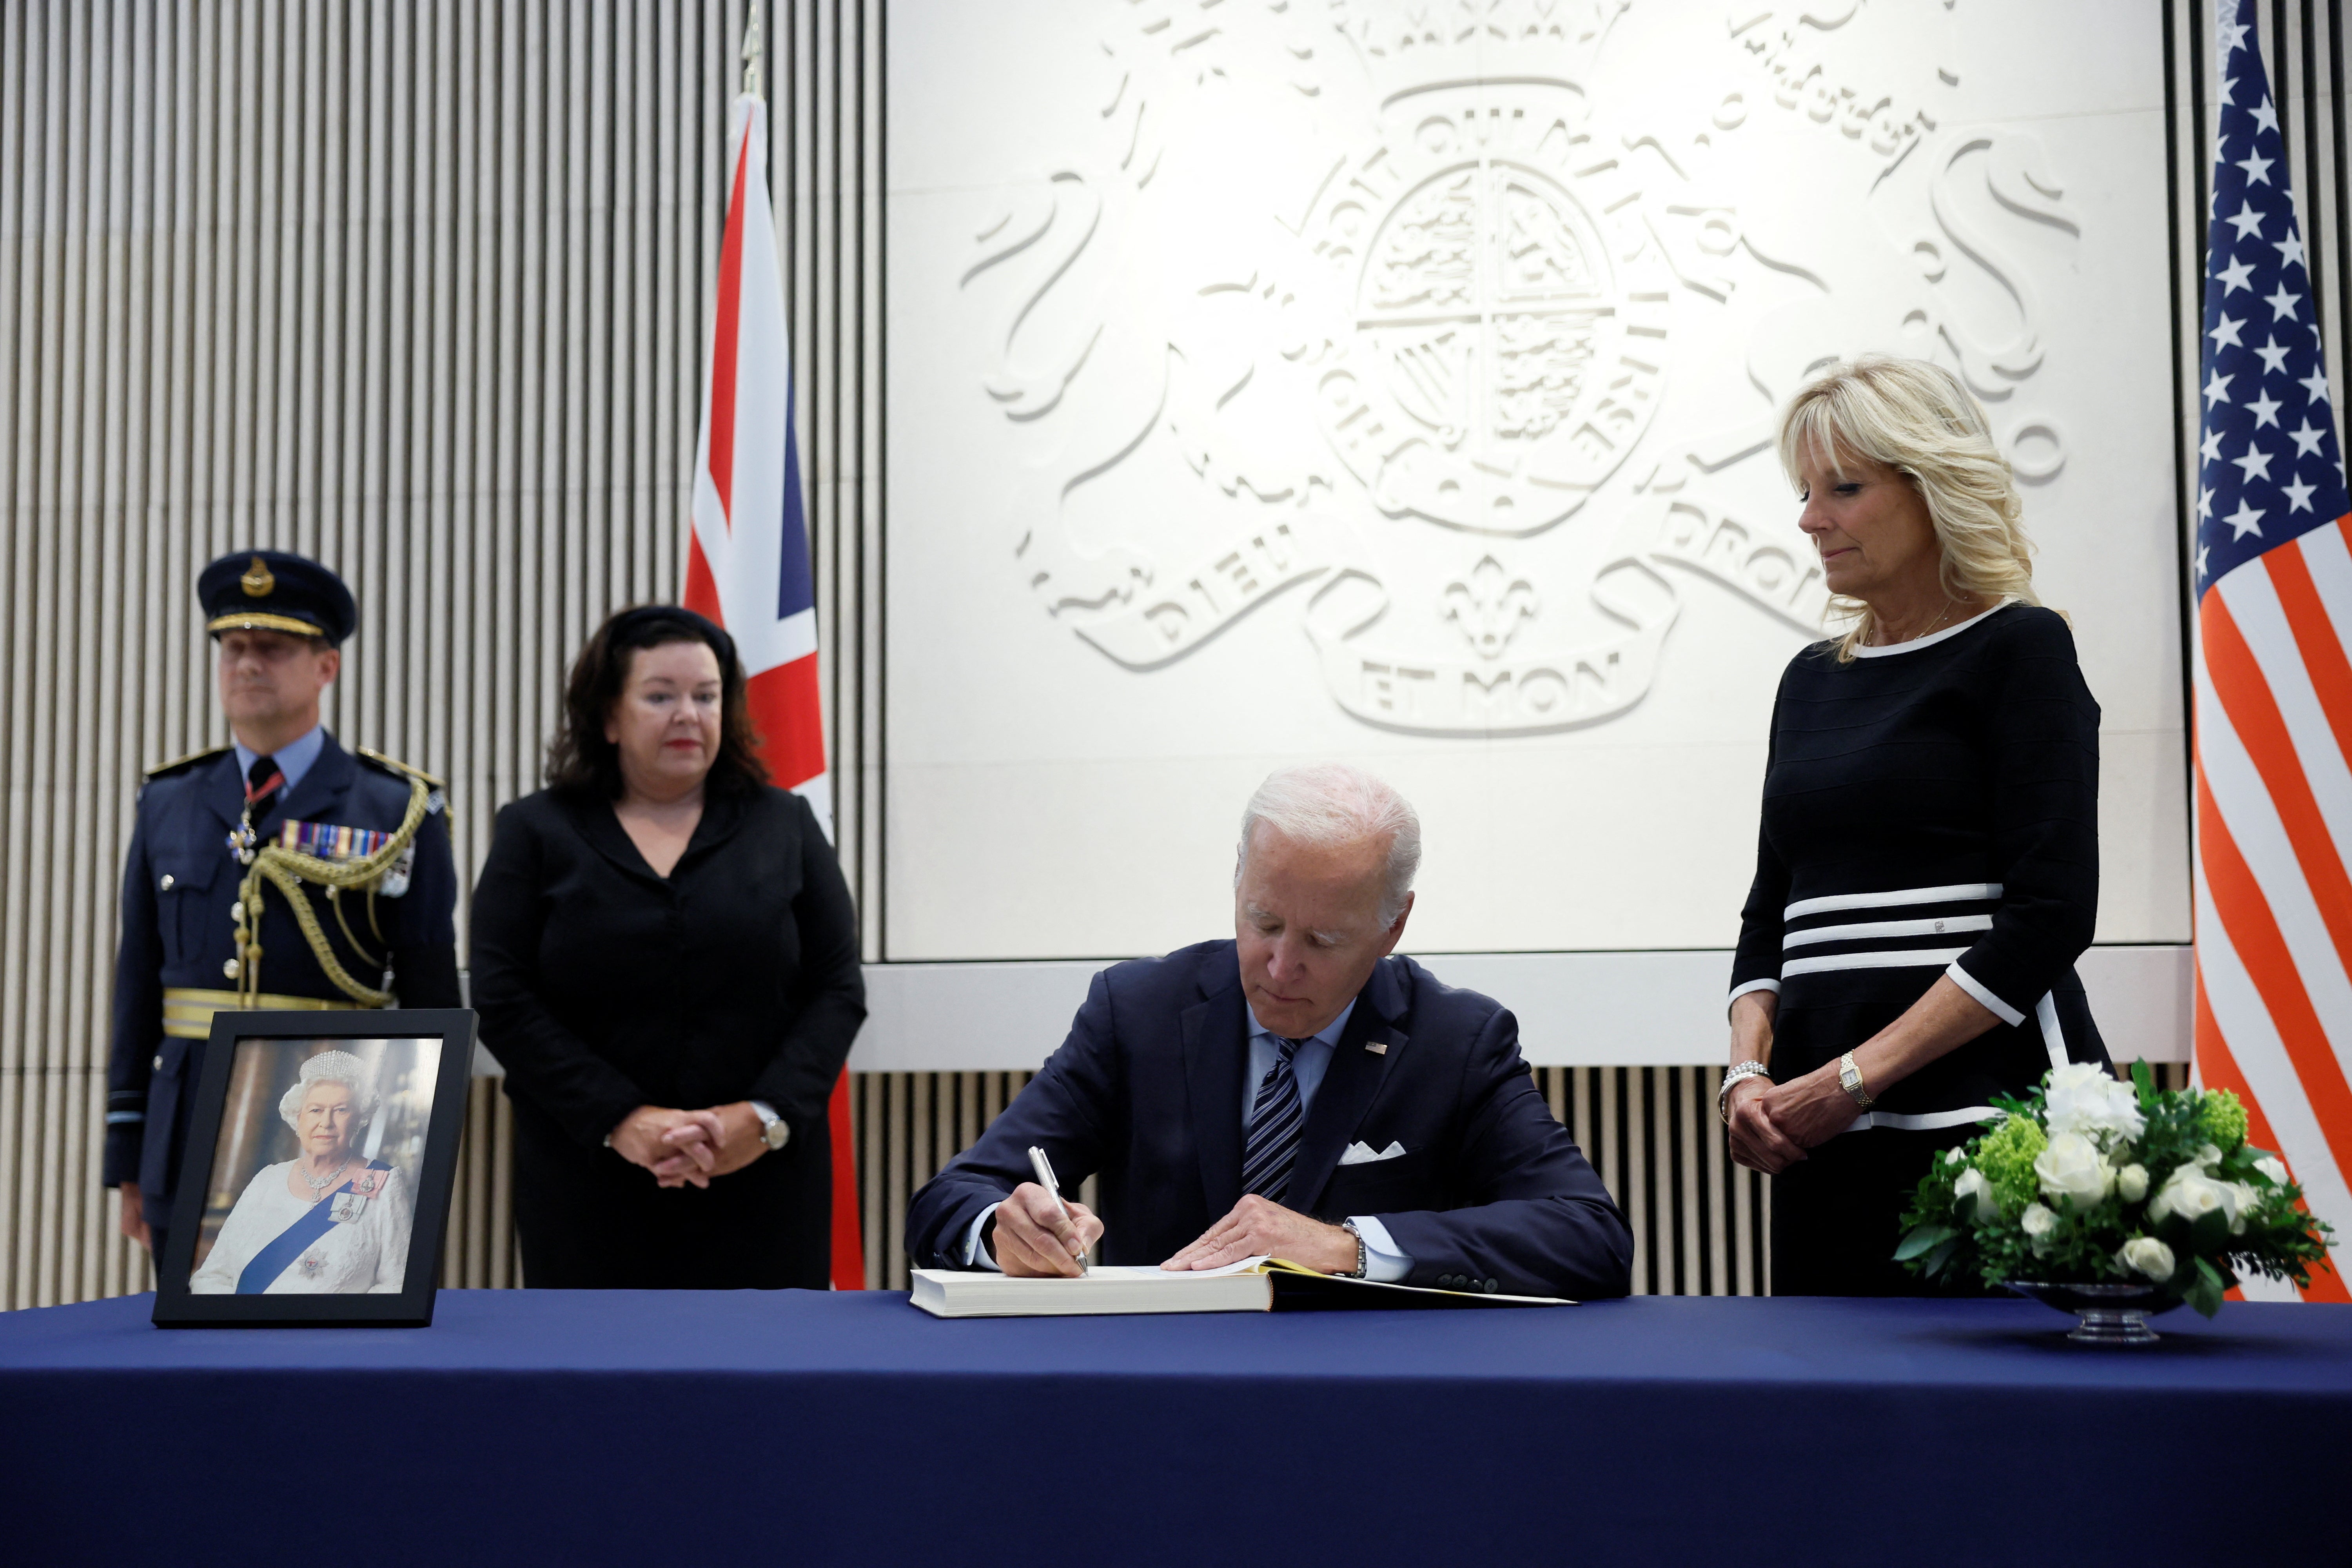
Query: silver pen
[1045, 1169]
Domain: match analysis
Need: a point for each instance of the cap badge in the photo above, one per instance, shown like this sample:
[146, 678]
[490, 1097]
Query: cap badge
[257, 582]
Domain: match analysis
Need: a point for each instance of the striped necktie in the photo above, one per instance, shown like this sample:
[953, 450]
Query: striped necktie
[1275, 1121]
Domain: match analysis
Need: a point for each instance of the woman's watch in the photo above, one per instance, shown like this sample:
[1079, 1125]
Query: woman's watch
[773, 1132]
[1849, 1081]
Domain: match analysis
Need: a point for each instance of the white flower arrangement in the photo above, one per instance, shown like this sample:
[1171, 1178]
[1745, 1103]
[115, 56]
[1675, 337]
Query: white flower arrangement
[2092, 1181]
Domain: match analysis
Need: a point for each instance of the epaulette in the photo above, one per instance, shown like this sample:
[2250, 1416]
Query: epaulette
[178, 764]
[394, 765]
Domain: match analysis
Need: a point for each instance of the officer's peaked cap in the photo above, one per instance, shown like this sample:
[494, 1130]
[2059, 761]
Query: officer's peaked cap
[271, 591]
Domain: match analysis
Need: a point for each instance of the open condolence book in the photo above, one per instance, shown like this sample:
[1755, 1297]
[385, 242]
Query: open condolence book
[1253, 1285]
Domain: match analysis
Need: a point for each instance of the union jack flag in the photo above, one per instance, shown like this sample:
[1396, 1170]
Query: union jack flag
[2274, 686]
[748, 561]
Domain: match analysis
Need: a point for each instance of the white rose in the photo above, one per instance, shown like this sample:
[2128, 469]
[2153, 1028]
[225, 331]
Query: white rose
[2206, 1157]
[2272, 1168]
[2147, 1256]
[1954, 1156]
[2083, 1096]
[2247, 1198]
[2131, 1183]
[2072, 1167]
[2037, 1222]
[2190, 1193]
[1973, 1185]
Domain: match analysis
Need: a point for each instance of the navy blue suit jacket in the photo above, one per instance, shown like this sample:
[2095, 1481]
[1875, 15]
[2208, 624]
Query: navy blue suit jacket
[1147, 1091]
[179, 886]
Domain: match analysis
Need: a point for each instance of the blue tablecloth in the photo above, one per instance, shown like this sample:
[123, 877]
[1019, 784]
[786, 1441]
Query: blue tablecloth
[542, 1426]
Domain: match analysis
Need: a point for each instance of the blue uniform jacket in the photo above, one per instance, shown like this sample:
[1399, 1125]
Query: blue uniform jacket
[179, 892]
[1147, 1091]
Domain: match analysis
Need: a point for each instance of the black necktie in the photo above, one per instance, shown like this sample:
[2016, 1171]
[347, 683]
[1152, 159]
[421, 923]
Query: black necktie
[1275, 1118]
[262, 783]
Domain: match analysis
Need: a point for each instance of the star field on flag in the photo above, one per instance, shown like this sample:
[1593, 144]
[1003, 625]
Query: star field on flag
[2269, 469]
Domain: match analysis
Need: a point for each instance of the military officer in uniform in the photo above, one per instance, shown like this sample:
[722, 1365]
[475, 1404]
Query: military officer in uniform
[230, 841]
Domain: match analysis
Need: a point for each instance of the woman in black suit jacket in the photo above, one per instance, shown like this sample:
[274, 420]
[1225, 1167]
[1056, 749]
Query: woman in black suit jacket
[665, 958]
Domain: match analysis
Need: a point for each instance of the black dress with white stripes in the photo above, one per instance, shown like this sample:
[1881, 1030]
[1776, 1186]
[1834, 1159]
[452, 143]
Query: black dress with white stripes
[1930, 808]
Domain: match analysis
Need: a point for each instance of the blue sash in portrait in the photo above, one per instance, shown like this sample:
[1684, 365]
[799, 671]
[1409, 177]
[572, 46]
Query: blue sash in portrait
[273, 1259]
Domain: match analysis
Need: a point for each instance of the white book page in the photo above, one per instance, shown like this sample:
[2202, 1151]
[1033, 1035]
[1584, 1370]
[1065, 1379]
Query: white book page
[1153, 1270]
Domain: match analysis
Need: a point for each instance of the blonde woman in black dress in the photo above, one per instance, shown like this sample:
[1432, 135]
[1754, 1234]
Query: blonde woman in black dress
[1927, 868]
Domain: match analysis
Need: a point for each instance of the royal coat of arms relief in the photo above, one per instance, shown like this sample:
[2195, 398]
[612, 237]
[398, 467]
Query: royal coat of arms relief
[1468, 322]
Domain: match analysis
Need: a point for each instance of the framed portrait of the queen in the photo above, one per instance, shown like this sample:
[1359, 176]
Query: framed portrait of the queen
[314, 1187]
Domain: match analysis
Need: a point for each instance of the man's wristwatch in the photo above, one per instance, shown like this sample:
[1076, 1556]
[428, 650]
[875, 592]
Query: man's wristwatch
[772, 1130]
[1362, 1265]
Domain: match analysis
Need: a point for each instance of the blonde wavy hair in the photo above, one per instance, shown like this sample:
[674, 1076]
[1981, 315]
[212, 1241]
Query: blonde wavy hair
[1917, 419]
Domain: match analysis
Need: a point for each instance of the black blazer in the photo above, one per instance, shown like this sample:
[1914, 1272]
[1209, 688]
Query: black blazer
[1147, 1091]
[602, 987]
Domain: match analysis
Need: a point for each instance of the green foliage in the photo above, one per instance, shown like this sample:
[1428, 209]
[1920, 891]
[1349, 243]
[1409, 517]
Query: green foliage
[2271, 1233]
[2175, 1136]
[2006, 1156]
[2204, 1293]
[2223, 1115]
[1921, 1239]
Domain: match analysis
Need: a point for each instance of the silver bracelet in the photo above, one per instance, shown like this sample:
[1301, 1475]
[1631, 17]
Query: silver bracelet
[1723, 1095]
[1363, 1267]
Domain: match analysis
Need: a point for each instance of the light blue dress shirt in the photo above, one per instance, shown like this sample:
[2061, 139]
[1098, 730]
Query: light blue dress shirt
[1383, 1259]
[293, 759]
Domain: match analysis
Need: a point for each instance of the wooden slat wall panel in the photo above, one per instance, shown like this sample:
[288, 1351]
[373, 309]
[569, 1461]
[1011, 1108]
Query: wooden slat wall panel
[420, 290]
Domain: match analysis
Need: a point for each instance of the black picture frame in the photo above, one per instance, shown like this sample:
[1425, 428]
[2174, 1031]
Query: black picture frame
[450, 1032]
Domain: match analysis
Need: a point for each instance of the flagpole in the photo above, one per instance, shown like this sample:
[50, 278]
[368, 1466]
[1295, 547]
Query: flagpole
[847, 1241]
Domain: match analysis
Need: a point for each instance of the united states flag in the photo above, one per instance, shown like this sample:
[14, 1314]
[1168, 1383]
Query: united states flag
[748, 562]
[2274, 686]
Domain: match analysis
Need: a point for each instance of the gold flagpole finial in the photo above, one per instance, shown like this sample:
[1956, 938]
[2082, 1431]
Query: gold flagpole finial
[751, 50]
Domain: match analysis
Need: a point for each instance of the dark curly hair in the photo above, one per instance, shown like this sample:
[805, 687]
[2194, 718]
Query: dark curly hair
[581, 761]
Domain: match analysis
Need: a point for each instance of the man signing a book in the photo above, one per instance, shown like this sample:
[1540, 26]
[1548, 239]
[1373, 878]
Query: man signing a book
[1298, 1092]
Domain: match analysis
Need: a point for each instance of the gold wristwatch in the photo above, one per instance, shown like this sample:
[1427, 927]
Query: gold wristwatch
[1849, 1081]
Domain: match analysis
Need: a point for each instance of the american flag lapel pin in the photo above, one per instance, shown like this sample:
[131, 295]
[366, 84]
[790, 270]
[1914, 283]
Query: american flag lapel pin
[1377, 1048]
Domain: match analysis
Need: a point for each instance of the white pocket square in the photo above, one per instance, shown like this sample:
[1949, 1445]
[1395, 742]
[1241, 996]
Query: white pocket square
[1361, 1154]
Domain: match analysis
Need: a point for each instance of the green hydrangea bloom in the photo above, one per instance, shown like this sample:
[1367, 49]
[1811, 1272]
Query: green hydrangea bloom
[2006, 1157]
[2223, 1115]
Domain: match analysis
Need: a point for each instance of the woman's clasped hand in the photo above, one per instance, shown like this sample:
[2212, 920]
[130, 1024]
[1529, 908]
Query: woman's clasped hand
[687, 1148]
[1771, 1124]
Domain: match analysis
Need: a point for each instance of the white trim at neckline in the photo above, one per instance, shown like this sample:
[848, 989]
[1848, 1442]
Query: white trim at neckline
[1932, 638]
